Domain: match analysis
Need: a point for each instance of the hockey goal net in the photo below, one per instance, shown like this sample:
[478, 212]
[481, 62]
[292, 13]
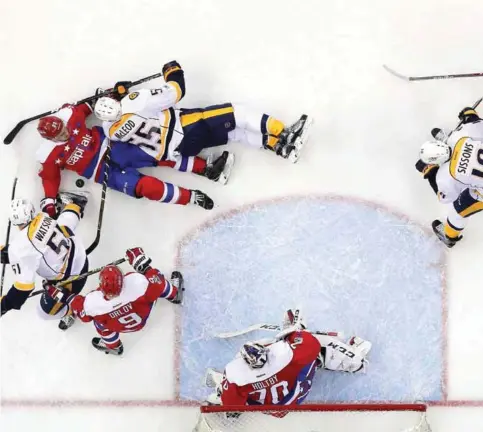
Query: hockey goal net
[314, 418]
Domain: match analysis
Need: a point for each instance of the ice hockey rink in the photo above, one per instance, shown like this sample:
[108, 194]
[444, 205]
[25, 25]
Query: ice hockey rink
[344, 233]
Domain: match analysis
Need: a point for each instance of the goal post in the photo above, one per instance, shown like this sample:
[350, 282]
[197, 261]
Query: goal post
[380, 417]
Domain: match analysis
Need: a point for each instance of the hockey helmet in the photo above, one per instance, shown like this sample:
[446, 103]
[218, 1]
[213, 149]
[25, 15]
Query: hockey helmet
[254, 354]
[108, 109]
[22, 211]
[435, 152]
[52, 128]
[110, 281]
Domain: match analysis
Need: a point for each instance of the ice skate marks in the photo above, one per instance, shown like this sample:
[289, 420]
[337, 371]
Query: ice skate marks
[350, 265]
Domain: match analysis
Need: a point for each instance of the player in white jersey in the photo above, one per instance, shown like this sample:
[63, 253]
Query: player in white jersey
[148, 118]
[281, 371]
[50, 249]
[454, 167]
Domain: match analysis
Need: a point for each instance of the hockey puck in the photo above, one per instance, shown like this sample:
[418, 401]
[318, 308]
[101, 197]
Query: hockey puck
[80, 183]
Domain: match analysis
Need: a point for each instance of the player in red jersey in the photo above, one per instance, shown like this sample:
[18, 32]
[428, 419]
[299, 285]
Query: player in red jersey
[123, 303]
[281, 372]
[69, 144]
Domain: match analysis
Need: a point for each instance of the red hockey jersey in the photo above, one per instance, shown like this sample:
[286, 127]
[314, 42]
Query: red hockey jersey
[130, 310]
[80, 153]
[285, 379]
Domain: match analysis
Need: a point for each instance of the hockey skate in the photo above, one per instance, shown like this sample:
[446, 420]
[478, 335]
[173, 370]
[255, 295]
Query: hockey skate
[78, 198]
[67, 322]
[438, 229]
[177, 280]
[99, 344]
[201, 199]
[293, 139]
[219, 171]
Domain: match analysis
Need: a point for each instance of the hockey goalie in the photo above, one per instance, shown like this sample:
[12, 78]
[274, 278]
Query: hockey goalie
[281, 371]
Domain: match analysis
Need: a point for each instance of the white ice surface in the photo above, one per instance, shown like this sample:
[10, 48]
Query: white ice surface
[323, 58]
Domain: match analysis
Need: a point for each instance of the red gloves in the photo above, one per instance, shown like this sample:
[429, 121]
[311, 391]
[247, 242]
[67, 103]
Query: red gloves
[138, 259]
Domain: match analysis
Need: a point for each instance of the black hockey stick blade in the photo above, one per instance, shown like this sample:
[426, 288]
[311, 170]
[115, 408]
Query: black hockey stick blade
[14, 132]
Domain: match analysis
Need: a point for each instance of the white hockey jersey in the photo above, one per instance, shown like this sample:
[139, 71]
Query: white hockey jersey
[149, 121]
[45, 248]
[465, 168]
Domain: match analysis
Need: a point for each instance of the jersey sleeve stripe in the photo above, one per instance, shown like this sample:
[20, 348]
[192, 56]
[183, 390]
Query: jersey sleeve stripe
[177, 88]
[21, 286]
[66, 231]
[73, 208]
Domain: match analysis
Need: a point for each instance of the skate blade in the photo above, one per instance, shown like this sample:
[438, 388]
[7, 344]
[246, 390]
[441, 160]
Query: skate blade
[225, 175]
[301, 141]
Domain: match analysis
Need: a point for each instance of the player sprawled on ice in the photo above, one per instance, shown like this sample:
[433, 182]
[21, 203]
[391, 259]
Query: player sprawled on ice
[122, 303]
[69, 144]
[48, 248]
[281, 371]
[147, 117]
[453, 165]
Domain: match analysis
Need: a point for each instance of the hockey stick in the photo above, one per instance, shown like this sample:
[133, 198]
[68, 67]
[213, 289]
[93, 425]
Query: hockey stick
[269, 327]
[81, 276]
[461, 121]
[431, 77]
[9, 227]
[107, 161]
[13, 133]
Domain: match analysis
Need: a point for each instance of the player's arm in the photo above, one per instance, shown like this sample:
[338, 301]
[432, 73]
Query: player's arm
[232, 394]
[50, 175]
[24, 284]
[158, 286]
[77, 308]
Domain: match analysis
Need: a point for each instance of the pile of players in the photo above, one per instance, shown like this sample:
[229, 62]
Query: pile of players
[145, 129]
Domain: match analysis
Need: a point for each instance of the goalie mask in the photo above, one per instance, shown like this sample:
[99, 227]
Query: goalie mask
[254, 354]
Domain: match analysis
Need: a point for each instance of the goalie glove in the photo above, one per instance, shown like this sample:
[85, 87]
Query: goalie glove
[292, 322]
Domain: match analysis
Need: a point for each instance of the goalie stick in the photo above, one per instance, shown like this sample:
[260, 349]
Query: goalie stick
[107, 160]
[269, 327]
[431, 77]
[13, 133]
[9, 227]
[81, 276]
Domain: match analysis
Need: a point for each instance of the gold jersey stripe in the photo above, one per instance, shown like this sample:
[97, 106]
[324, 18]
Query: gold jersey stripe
[189, 119]
[24, 286]
[34, 225]
[56, 308]
[113, 129]
[456, 156]
[73, 207]
[274, 126]
[473, 208]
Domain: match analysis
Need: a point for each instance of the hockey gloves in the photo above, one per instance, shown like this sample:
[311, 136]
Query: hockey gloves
[48, 205]
[138, 259]
[121, 89]
[468, 115]
[170, 67]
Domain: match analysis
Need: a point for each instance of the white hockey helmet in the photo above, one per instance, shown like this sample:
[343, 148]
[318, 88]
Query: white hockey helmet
[435, 152]
[254, 354]
[108, 109]
[22, 211]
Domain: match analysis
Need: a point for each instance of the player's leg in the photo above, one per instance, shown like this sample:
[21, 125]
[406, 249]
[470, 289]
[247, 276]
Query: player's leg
[131, 182]
[285, 141]
[109, 342]
[336, 355]
[57, 307]
[71, 212]
[467, 204]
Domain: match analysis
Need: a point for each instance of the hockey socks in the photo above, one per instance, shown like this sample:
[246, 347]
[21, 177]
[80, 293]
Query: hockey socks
[157, 190]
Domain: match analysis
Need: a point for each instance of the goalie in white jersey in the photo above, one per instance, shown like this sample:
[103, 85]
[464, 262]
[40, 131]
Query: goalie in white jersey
[454, 168]
[50, 249]
[148, 118]
[280, 371]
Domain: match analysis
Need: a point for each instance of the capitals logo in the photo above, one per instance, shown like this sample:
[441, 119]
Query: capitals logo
[80, 149]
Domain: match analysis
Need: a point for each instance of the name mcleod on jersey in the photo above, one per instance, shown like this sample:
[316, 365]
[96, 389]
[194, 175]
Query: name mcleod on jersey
[79, 151]
[125, 129]
[466, 154]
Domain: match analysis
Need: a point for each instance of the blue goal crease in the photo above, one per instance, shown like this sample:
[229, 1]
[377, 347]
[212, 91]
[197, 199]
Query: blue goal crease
[350, 266]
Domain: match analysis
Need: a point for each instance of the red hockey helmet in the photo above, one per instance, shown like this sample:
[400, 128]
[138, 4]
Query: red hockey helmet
[110, 281]
[50, 127]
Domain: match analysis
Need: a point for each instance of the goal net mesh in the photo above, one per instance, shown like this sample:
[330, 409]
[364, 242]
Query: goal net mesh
[314, 418]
